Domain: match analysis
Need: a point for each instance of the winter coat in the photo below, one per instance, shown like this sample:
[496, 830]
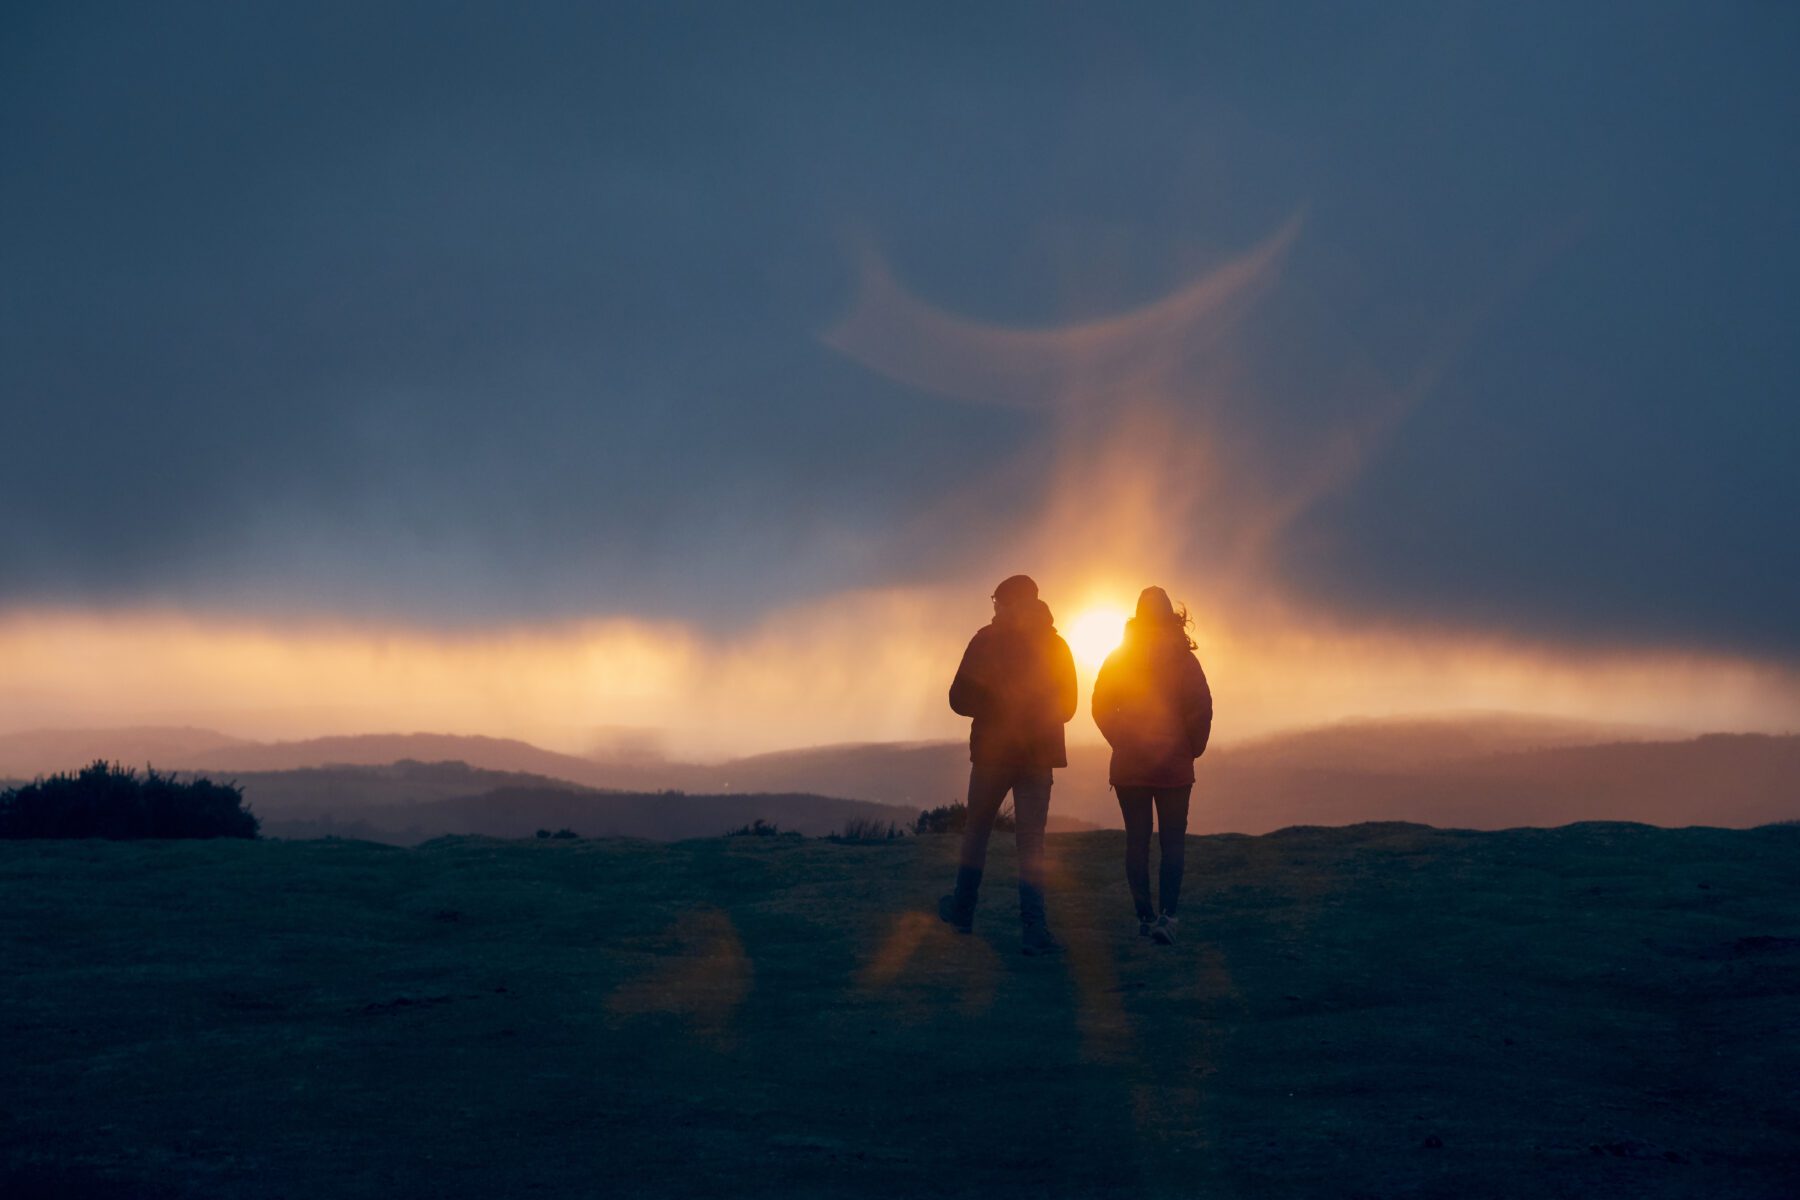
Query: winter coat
[1018, 683]
[1153, 706]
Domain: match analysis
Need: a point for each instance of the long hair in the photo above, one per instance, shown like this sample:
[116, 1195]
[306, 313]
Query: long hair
[1181, 624]
[1174, 626]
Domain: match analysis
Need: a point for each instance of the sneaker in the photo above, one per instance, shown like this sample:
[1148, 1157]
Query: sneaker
[1037, 939]
[1163, 932]
[1144, 927]
[949, 914]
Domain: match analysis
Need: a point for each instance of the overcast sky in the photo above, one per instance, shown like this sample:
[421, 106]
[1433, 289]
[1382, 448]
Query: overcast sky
[456, 315]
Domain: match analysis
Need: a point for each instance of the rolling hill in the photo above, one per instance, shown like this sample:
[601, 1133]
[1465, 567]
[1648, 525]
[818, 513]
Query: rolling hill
[1483, 771]
[408, 802]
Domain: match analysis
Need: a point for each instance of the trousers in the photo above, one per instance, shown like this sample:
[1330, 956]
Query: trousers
[1030, 788]
[1170, 806]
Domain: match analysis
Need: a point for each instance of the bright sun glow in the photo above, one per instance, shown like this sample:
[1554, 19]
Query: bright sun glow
[1095, 633]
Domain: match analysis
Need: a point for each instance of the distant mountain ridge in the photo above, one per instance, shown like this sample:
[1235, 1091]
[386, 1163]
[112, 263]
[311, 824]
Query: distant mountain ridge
[1404, 743]
[41, 752]
[410, 802]
[46, 751]
[1473, 770]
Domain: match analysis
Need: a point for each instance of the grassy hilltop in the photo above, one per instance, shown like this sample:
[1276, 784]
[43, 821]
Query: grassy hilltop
[1377, 1010]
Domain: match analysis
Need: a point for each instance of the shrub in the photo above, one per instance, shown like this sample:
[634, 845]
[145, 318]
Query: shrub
[954, 816]
[866, 829]
[565, 834]
[107, 800]
[945, 818]
[756, 828]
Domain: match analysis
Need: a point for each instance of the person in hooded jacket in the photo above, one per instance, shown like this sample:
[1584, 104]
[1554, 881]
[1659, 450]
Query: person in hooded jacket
[1153, 706]
[1017, 680]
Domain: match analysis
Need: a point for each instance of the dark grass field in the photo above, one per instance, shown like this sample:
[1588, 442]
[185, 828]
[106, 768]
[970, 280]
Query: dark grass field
[1371, 1011]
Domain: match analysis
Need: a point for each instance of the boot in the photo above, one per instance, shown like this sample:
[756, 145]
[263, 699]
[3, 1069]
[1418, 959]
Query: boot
[1035, 936]
[958, 908]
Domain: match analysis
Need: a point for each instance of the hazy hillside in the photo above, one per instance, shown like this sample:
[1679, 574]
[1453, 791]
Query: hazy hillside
[1489, 773]
[1374, 1011]
[1486, 771]
[312, 791]
[922, 773]
[1407, 743]
[1739, 780]
[408, 802]
[1721, 779]
[41, 752]
[1406, 773]
[45, 751]
[485, 753]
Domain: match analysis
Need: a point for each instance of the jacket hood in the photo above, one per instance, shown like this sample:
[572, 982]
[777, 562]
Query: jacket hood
[1153, 605]
[1147, 631]
[1030, 616]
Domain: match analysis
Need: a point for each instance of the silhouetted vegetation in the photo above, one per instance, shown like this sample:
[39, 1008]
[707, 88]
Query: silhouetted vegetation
[756, 828]
[952, 817]
[561, 834]
[863, 829]
[108, 800]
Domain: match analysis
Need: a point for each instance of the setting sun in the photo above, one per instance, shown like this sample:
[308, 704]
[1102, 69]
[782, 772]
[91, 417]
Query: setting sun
[1094, 633]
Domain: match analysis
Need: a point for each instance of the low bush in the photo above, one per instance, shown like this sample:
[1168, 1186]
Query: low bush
[954, 816]
[756, 828]
[108, 800]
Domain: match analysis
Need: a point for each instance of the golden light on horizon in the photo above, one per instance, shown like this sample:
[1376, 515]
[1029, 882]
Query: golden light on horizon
[856, 667]
[1095, 633]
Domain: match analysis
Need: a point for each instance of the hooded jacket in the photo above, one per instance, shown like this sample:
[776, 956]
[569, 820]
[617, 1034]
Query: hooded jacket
[1153, 706]
[1017, 680]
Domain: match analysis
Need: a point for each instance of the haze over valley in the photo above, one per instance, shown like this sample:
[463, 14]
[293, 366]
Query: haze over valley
[1487, 771]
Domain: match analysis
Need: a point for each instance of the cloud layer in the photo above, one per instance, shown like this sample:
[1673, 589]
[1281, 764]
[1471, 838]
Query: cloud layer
[1471, 324]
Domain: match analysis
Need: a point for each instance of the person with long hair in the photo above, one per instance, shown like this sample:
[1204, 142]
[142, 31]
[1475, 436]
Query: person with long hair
[1017, 680]
[1155, 709]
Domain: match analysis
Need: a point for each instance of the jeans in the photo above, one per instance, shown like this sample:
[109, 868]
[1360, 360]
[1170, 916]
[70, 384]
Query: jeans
[1030, 788]
[1171, 808]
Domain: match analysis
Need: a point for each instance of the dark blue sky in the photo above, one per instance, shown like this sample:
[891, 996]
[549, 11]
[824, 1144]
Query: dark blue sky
[458, 314]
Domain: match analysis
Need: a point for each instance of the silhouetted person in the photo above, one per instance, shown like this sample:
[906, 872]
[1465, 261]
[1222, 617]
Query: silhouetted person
[1154, 708]
[1017, 680]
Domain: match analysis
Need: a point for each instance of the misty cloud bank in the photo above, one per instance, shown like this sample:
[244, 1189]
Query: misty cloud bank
[460, 319]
